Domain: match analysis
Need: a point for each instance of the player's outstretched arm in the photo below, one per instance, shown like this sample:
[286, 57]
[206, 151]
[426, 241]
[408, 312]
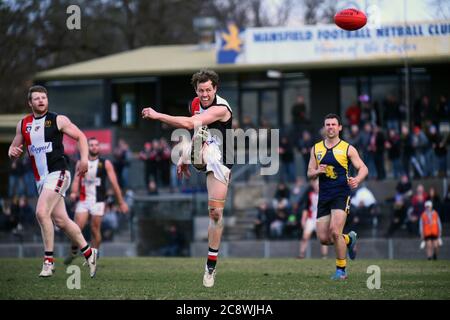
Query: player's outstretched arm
[209, 116]
[113, 179]
[15, 149]
[359, 165]
[67, 127]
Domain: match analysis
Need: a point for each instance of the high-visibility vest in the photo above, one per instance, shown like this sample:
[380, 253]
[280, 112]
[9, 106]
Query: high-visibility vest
[430, 227]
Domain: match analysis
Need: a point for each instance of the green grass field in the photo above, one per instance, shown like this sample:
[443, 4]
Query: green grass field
[265, 279]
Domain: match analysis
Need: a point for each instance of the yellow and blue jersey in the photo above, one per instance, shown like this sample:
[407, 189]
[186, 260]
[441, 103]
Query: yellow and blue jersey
[333, 183]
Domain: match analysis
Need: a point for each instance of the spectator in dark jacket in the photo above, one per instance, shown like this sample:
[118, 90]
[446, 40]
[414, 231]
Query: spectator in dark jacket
[393, 145]
[407, 149]
[439, 146]
[286, 151]
[392, 114]
[379, 153]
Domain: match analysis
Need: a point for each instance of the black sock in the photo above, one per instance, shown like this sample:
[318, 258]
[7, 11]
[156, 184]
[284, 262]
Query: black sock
[74, 250]
[434, 256]
[212, 258]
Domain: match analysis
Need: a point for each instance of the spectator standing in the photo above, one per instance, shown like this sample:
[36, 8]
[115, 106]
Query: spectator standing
[407, 149]
[393, 145]
[286, 151]
[378, 140]
[145, 156]
[368, 149]
[430, 230]
[353, 114]
[122, 158]
[298, 113]
[420, 145]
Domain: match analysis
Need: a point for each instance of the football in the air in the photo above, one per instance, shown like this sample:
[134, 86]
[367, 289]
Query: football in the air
[350, 19]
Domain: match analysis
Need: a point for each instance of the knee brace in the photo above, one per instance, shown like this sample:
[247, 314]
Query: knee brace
[215, 208]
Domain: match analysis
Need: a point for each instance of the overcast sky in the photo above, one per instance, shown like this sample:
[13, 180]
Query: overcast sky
[390, 11]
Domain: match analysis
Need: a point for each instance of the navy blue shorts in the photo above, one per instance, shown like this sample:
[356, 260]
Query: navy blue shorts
[324, 207]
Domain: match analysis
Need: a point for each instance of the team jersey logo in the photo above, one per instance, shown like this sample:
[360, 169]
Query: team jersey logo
[28, 128]
[330, 172]
[95, 181]
[319, 155]
[48, 123]
[36, 128]
[36, 150]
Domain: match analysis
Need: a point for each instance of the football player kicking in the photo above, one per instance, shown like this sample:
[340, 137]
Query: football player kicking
[209, 113]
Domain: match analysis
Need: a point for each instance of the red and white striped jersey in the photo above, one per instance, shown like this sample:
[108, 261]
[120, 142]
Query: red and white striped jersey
[93, 184]
[195, 107]
[43, 142]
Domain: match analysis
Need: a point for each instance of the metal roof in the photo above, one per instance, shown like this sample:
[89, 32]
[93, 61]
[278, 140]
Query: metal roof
[185, 59]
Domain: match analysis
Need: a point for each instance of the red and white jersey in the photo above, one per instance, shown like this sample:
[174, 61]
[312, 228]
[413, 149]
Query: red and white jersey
[43, 142]
[92, 185]
[313, 199]
[227, 150]
[195, 107]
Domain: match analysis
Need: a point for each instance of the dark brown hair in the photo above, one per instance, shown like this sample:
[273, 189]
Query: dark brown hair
[333, 116]
[203, 76]
[36, 88]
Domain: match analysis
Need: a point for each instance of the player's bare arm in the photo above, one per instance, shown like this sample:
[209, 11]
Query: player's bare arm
[67, 127]
[212, 114]
[113, 179]
[359, 165]
[15, 149]
[75, 185]
[304, 217]
[314, 170]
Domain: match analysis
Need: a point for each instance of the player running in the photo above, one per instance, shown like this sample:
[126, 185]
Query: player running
[42, 132]
[330, 162]
[209, 113]
[91, 191]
